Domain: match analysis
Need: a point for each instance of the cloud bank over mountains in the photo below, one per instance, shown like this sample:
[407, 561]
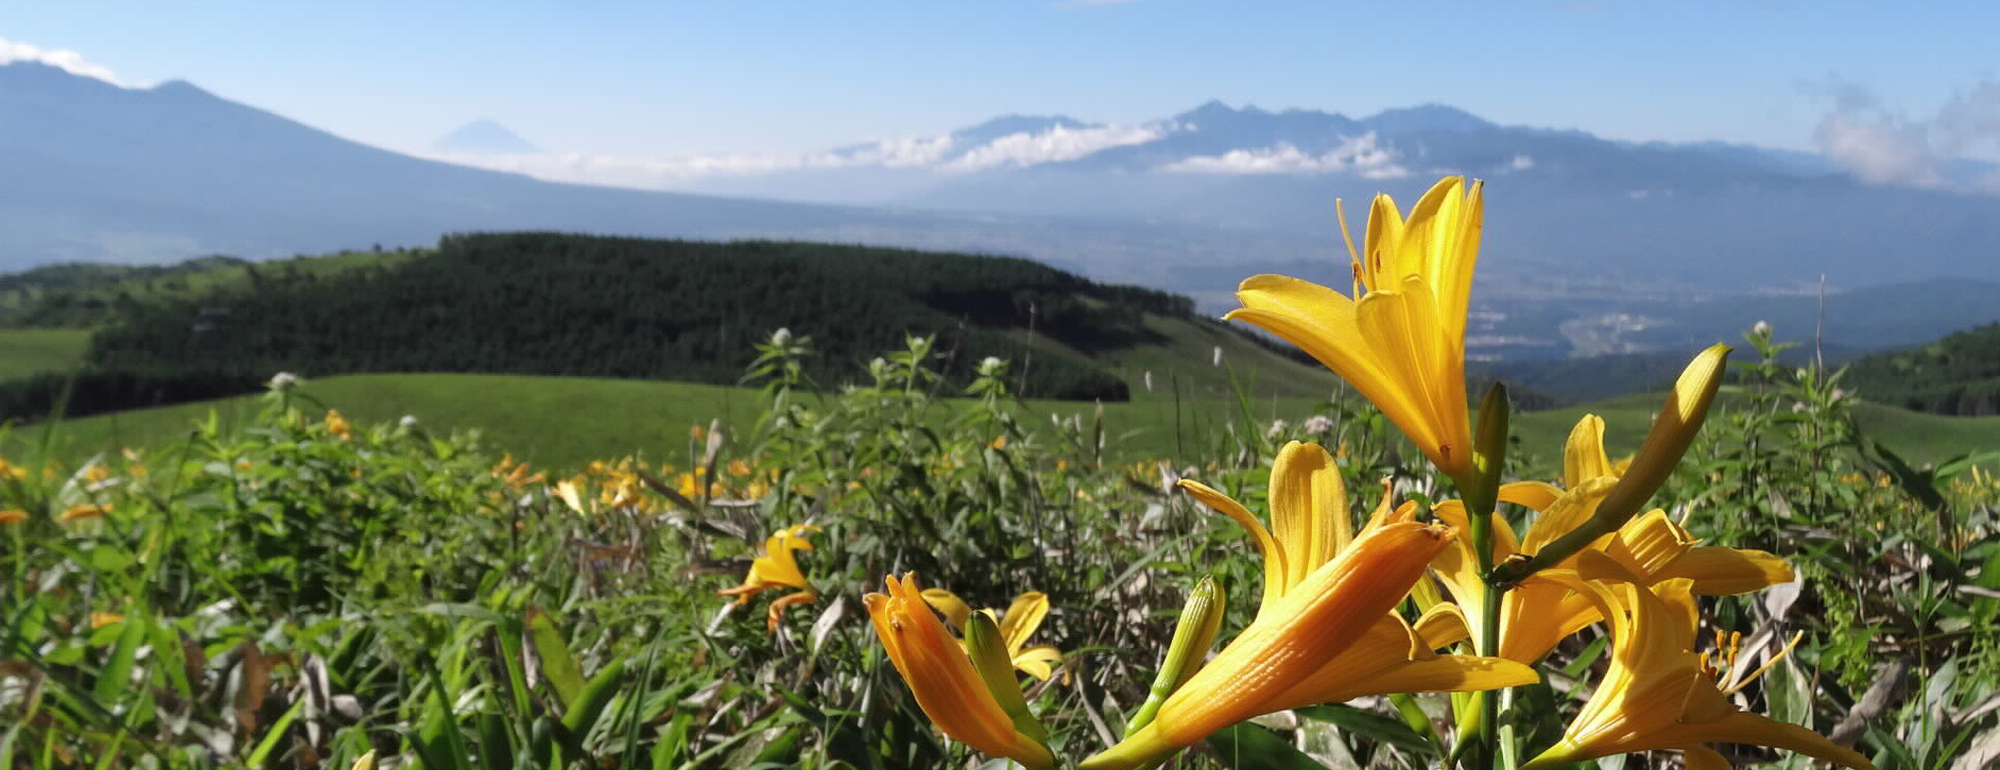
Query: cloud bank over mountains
[68, 61]
[1060, 139]
[1857, 138]
[1881, 146]
[1010, 142]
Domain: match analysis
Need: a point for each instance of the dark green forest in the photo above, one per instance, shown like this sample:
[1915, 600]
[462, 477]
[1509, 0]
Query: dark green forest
[576, 305]
[1956, 375]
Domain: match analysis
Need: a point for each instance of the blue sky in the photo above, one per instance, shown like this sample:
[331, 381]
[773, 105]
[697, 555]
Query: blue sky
[695, 78]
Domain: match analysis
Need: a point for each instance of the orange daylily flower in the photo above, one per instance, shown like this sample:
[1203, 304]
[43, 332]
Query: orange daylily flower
[84, 511]
[1535, 617]
[774, 568]
[1022, 618]
[942, 677]
[1659, 693]
[1325, 631]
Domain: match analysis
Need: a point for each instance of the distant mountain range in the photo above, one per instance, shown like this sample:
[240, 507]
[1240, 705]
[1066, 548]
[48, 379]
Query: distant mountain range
[1190, 203]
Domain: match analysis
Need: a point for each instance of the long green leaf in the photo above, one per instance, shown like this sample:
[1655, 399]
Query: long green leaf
[559, 668]
[1249, 747]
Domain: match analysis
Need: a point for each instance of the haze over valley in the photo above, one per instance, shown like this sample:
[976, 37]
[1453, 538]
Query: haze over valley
[1593, 246]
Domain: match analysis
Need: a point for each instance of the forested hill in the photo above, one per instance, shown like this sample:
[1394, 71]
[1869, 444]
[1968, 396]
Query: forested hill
[576, 305]
[1959, 374]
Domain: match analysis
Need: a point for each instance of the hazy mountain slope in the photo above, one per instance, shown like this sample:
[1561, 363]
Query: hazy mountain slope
[103, 172]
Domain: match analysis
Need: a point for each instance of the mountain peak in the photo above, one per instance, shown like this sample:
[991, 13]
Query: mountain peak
[1426, 117]
[1008, 125]
[1213, 108]
[484, 137]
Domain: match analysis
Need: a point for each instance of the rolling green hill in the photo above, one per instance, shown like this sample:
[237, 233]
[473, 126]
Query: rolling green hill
[90, 295]
[574, 305]
[1959, 374]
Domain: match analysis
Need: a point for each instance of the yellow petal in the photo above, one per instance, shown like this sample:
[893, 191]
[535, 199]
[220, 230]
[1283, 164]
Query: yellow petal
[1583, 453]
[1037, 661]
[1567, 513]
[1023, 617]
[1309, 517]
[1310, 625]
[1443, 625]
[954, 608]
[1274, 556]
[1719, 571]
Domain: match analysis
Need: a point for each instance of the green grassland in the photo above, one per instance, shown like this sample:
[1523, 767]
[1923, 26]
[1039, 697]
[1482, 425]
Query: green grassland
[32, 351]
[563, 422]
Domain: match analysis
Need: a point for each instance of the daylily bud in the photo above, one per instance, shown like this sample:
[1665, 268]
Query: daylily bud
[1201, 619]
[1680, 419]
[996, 669]
[1489, 456]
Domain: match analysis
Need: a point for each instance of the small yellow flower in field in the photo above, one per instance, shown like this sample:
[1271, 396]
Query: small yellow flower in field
[11, 471]
[366, 762]
[1062, 465]
[338, 425]
[1022, 618]
[84, 511]
[96, 473]
[1325, 631]
[698, 433]
[1659, 694]
[942, 677]
[566, 491]
[13, 517]
[777, 567]
[999, 442]
[738, 467]
[101, 619]
[1535, 617]
[1401, 339]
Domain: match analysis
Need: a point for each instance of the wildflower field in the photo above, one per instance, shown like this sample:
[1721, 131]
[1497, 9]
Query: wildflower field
[890, 575]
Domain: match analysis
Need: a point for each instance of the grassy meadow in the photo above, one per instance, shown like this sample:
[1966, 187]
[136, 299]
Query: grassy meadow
[449, 570]
[563, 423]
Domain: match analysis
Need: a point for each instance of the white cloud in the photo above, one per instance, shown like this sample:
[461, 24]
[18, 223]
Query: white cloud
[1882, 146]
[70, 61]
[894, 153]
[1521, 163]
[1055, 145]
[1879, 148]
[939, 153]
[1356, 155]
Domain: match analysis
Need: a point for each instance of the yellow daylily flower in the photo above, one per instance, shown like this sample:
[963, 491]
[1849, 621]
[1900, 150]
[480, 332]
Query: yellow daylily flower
[1535, 617]
[777, 567]
[1401, 339]
[1022, 618]
[1325, 631]
[84, 511]
[943, 679]
[1659, 693]
[338, 425]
